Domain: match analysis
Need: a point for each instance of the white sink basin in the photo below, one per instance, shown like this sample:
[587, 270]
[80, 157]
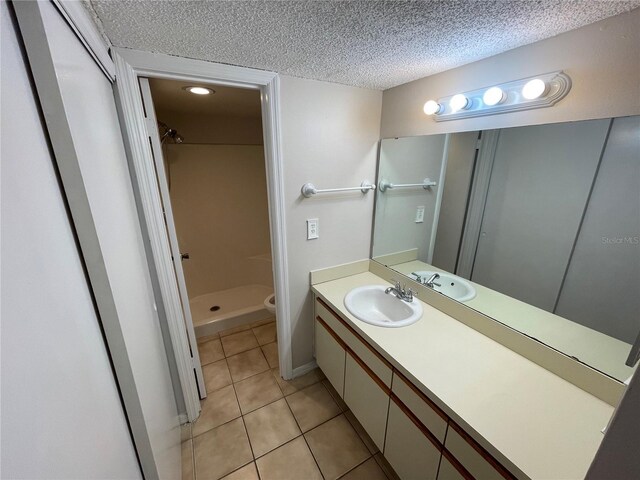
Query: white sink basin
[451, 286]
[371, 305]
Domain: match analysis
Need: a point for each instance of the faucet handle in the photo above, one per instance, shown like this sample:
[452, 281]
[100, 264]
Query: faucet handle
[396, 283]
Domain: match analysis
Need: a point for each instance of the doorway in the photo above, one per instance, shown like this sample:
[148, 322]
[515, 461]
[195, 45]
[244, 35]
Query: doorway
[210, 165]
[147, 166]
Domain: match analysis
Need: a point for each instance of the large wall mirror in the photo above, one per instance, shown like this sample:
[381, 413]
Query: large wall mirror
[537, 227]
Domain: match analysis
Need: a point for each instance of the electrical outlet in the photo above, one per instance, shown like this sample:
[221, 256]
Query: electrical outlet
[312, 228]
[420, 214]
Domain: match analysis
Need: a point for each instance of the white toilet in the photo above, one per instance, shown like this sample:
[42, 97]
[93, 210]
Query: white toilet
[270, 303]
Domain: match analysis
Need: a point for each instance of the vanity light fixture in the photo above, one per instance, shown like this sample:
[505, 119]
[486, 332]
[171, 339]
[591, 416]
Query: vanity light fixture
[524, 94]
[199, 90]
[533, 89]
[493, 96]
[432, 107]
[458, 102]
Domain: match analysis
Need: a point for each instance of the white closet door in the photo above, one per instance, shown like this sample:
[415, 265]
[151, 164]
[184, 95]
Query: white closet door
[80, 114]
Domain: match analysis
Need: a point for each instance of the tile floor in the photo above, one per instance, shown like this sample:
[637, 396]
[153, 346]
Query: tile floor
[255, 425]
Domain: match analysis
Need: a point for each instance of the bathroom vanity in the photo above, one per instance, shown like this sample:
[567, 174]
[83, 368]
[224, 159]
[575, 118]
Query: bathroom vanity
[443, 401]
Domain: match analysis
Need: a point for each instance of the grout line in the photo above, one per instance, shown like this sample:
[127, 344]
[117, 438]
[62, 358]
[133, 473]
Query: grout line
[353, 468]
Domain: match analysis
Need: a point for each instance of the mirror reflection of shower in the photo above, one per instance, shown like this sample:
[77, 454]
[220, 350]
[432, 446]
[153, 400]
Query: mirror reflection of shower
[167, 133]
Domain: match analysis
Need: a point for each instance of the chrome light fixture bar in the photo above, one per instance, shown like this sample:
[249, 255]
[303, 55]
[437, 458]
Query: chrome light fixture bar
[524, 94]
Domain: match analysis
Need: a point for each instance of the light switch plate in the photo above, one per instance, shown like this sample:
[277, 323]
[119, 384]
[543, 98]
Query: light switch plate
[420, 214]
[312, 228]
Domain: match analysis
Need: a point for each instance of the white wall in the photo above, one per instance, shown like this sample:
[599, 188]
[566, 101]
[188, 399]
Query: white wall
[61, 413]
[329, 137]
[601, 59]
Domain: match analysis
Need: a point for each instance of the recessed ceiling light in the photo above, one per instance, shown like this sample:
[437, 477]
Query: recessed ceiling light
[533, 89]
[199, 90]
[458, 102]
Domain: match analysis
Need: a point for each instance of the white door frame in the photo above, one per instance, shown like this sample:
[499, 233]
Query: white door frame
[131, 64]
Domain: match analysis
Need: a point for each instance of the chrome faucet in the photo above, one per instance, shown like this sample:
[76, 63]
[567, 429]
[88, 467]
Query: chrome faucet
[432, 281]
[401, 292]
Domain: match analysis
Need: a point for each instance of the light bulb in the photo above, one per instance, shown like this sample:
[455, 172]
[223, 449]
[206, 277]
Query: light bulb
[432, 107]
[533, 89]
[458, 102]
[493, 96]
[199, 90]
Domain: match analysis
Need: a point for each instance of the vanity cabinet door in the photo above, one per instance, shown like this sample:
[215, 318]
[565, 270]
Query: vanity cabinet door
[408, 449]
[367, 398]
[449, 472]
[472, 457]
[330, 356]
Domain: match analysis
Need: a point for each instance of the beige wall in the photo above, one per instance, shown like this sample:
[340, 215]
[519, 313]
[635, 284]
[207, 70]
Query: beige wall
[214, 129]
[602, 60]
[329, 137]
[219, 200]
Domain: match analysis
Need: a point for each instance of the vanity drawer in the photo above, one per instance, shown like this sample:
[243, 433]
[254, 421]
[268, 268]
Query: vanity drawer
[367, 398]
[421, 406]
[330, 356]
[409, 448]
[376, 362]
[451, 470]
[473, 457]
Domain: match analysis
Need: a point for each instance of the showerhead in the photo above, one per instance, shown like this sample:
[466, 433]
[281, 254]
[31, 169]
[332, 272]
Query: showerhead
[170, 133]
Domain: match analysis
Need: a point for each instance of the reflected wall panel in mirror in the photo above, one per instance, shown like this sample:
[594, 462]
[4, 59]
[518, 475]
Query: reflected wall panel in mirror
[537, 227]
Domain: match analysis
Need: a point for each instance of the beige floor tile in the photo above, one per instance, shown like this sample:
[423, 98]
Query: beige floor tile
[219, 407]
[343, 406]
[222, 450]
[216, 375]
[207, 338]
[291, 386]
[231, 331]
[364, 436]
[292, 461]
[210, 351]
[266, 333]
[270, 351]
[248, 472]
[369, 470]
[246, 364]
[257, 391]
[187, 460]
[312, 406]
[270, 426]
[239, 342]
[336, 447]
[386, 467]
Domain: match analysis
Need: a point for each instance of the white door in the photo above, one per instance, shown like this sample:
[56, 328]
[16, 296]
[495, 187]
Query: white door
[156, 146]
[80, 114]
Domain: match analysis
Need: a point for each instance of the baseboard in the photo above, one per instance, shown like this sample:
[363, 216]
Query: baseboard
[306, 368]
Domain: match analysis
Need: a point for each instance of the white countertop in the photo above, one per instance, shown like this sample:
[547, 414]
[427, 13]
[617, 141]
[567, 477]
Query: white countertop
[529, 418]
[596, 349]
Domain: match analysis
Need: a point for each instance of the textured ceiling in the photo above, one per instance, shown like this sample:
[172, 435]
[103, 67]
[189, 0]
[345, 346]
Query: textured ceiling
[374, 44]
